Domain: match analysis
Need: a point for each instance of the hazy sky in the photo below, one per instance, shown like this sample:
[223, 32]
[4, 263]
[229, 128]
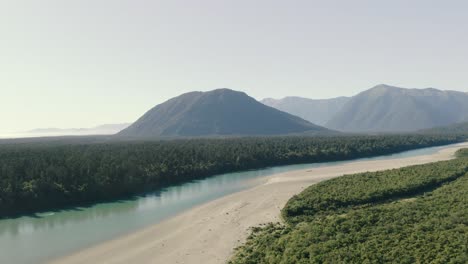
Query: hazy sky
[87, 62]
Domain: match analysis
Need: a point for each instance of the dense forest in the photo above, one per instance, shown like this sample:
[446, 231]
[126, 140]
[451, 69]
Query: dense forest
[458, 128]
[417, 214]
[39, 176]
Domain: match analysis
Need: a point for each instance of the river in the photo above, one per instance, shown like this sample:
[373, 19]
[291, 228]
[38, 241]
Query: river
[48, 235]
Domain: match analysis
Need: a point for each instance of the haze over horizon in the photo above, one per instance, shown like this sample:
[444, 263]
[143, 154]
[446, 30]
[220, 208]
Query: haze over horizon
[85, 63]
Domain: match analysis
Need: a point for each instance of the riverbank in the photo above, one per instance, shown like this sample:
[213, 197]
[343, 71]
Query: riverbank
[208, 233]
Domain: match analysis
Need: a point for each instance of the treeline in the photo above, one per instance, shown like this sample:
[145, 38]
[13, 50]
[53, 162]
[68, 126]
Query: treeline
[417, 214]
[38, 176]
[459, 129]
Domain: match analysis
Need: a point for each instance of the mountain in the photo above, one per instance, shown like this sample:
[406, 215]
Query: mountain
[218, 112]
[458, 128]
[107, 129]
[317, 111]
[392, 109]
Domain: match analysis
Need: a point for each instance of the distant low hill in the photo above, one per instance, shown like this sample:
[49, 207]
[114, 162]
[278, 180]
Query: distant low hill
[107, 129]
[218, 112]
[317, 111]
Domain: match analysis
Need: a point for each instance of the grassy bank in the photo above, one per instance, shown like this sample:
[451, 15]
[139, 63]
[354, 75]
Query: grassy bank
[417, 214]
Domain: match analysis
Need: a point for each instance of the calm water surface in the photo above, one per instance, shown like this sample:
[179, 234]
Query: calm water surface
[47, 235]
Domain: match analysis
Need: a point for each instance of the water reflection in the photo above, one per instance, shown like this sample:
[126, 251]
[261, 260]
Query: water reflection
[49, 220]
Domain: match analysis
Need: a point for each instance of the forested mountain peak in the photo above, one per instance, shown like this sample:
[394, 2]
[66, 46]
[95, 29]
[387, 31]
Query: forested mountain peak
[217, 112]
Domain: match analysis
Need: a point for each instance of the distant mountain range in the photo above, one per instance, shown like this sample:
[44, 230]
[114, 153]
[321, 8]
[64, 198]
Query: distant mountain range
[224, 112]
[382, 108]
[220, 112]
[107, 129]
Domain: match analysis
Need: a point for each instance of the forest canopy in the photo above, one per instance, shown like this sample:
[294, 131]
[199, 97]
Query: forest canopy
[40, 176]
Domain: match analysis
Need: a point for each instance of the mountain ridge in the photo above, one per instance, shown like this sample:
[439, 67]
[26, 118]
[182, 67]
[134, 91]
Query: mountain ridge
[386, 108]
[382, 108]
[218, 112]
[317, 111]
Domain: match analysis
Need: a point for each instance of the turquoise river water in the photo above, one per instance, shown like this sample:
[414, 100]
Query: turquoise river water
[48, 235]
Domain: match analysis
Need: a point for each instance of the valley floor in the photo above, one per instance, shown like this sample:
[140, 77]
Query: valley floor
[209, 233]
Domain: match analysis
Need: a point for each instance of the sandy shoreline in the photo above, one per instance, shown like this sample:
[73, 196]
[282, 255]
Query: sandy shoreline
[208, 233]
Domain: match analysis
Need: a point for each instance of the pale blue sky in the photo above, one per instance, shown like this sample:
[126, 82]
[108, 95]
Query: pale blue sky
[87, 62]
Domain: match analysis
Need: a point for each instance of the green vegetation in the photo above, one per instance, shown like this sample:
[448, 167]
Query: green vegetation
[455, 129]
[37, 176]
[462, 153]
[417, 214]
[336, 195]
